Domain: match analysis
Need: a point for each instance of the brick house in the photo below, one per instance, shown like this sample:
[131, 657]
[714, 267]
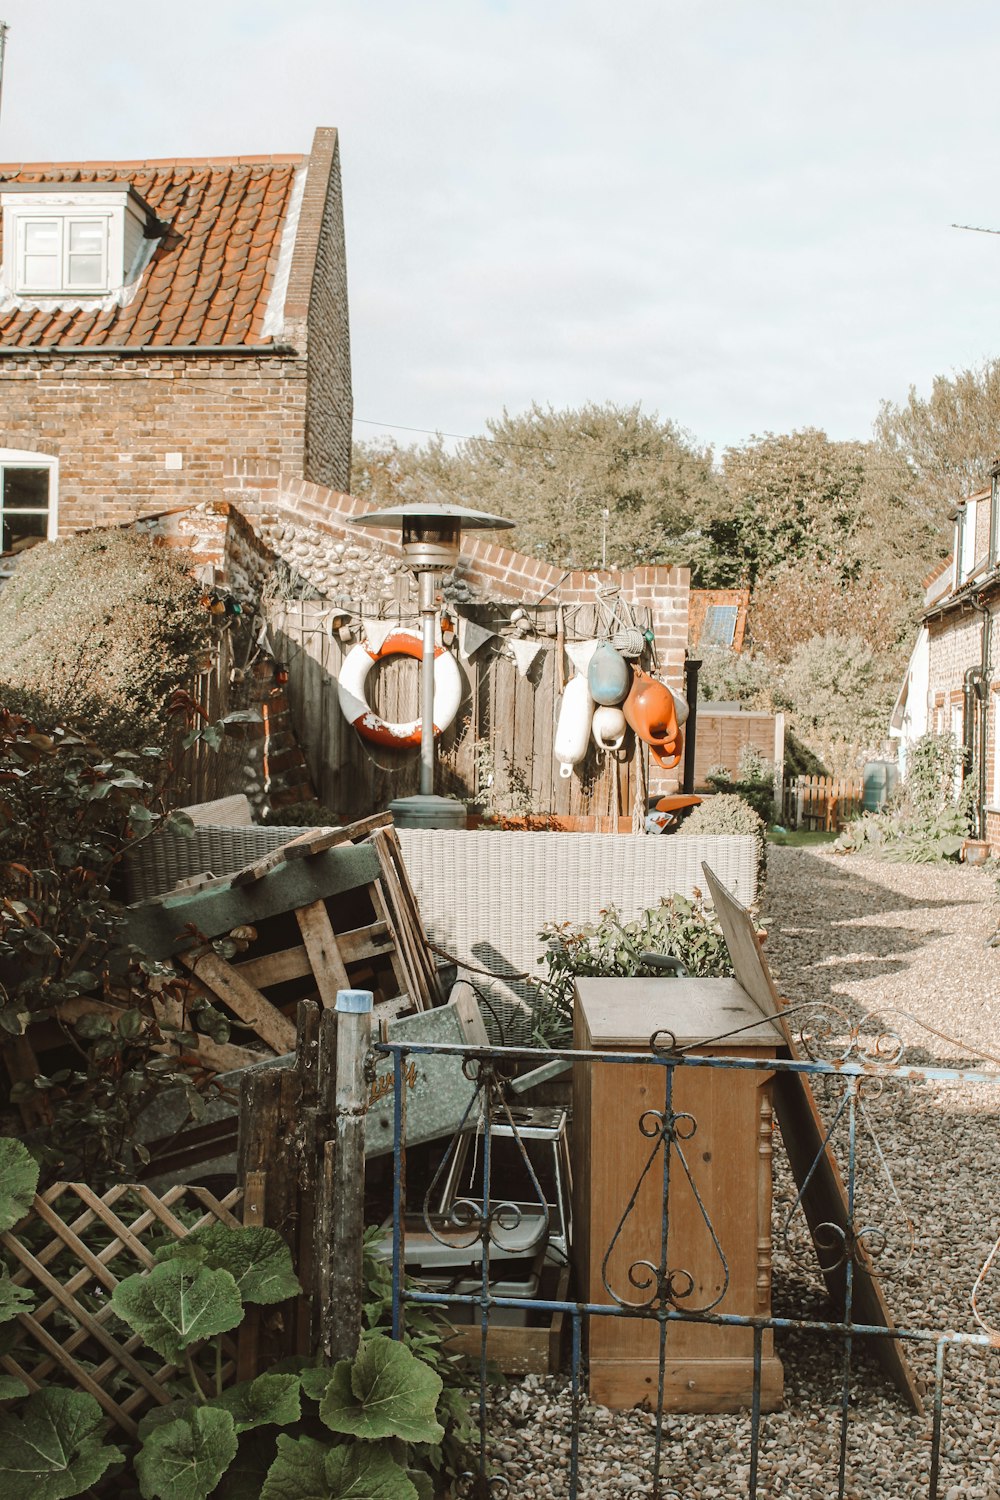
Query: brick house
[951, 684]
[164, 326]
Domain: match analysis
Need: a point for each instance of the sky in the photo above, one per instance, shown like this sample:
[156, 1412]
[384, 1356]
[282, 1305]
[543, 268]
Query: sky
[734, 212]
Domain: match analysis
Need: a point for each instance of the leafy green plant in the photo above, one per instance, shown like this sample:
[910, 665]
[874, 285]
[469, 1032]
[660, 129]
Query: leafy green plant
[754, 781]
[378, 1425]
[68, 816]
[685, 929]
[926, 822]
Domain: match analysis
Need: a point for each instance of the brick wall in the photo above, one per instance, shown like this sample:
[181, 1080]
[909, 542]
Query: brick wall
[111, 421]
[316, 308]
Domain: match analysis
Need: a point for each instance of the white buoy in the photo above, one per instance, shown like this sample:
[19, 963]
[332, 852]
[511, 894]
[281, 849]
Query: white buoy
[576, 712]
[608, 727]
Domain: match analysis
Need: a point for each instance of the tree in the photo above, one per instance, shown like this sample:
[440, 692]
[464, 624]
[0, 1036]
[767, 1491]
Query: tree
[948, 440]
[555, 473]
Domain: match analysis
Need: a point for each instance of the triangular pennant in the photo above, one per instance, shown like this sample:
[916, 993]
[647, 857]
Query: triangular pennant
[471, 636]
[525, 653]
[377, 632]
[579, 653]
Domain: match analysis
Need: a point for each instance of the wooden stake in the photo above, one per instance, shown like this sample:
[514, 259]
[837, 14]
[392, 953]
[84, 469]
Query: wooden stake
[341, 1319]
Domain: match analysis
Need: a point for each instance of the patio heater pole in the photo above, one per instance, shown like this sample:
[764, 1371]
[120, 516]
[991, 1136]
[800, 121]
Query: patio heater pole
[428, 616]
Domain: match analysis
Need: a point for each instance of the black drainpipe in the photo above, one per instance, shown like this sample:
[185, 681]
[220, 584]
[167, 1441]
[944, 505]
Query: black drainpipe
[977, 681]
[691, 670]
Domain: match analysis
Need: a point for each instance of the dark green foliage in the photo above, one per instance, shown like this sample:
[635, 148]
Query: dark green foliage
[102, 627]
[68, 812]
[611, 947]
[926, 822]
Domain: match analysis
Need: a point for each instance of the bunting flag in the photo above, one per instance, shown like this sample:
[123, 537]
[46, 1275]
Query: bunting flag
[377, 632]
[471, 636]
[579, 653]
[525, 653]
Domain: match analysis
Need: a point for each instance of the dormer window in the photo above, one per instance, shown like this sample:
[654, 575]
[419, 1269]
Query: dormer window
[55, 255]
[81, 241]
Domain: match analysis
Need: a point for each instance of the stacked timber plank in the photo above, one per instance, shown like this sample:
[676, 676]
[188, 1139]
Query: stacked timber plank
[331, 909]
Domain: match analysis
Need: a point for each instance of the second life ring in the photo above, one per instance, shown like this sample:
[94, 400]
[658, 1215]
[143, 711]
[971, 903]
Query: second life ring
[354, 702]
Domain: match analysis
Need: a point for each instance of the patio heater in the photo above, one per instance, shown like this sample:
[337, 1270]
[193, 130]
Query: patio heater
[432, 539]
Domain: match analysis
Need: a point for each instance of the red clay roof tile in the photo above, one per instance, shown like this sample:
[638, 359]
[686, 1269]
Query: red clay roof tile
[210, 276]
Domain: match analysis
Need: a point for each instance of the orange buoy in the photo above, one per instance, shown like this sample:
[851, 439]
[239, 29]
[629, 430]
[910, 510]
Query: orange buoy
[651, 711]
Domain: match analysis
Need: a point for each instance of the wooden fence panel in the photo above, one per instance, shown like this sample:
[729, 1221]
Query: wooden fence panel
[823, 803]
[515, 715]
[723, 733]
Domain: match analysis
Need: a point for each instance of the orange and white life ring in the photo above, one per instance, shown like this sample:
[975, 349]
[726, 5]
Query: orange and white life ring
[354, 702]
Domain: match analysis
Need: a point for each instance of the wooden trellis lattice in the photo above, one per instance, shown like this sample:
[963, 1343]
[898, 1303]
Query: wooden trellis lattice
[72, 1329]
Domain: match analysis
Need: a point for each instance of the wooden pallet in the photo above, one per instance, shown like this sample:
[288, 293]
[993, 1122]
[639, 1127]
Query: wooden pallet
[336, 931]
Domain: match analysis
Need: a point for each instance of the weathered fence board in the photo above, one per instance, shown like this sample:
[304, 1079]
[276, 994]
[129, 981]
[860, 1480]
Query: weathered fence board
[823, 802]
[722, 735]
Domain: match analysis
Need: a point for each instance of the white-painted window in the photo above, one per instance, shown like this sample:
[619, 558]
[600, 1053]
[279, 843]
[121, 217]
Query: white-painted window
[29, 488]
[996, 750]
[74, 242]
[70, 254]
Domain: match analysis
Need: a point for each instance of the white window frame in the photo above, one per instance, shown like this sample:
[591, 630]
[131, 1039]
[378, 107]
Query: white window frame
[24, 458]
[995, 799]
[64, 224]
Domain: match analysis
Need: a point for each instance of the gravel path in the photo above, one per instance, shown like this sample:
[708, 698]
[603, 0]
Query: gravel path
[875, 940]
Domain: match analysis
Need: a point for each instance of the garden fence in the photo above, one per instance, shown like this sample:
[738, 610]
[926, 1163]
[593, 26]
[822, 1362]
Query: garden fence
[824, 803]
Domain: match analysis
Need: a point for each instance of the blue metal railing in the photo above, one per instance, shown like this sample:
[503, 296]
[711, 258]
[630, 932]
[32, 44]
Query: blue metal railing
[848, 1076]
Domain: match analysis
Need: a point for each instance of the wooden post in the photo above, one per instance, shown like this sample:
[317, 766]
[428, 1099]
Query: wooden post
[341, 1317]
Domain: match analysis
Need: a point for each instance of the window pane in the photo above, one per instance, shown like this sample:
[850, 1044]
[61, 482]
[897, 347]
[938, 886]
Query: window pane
[86, 236]
[719, 628]
[41, 237]
[21, 530]
[41, 271]
[85, 270]
[25, 489]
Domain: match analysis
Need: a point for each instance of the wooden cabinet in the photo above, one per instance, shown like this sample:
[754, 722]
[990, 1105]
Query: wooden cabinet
[719, 1220]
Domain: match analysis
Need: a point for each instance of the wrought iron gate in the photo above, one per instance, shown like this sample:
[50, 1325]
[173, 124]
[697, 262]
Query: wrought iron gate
[840, 1407]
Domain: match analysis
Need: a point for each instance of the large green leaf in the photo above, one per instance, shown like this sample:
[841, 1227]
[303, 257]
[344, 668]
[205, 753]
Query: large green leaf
[307, 1470]
[11, 1387]
[258, 1259]
[185, 1459]
[386, 1392]
[55, 1449]
[18, 1181]
[244, 1479]
[366, 1471]
[297, 1472]
[13, 1299]
[269, 1398]
[177, 1303]
[422, 1483]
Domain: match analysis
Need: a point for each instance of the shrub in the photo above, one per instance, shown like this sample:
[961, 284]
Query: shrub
[67, 814]
[687, 930]
[103, 627]
[738, 677]
[728, 813]
[840, 694]
[927, 822]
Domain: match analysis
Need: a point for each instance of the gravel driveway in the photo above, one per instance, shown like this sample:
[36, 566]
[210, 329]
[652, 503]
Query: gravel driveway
[875, 940]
